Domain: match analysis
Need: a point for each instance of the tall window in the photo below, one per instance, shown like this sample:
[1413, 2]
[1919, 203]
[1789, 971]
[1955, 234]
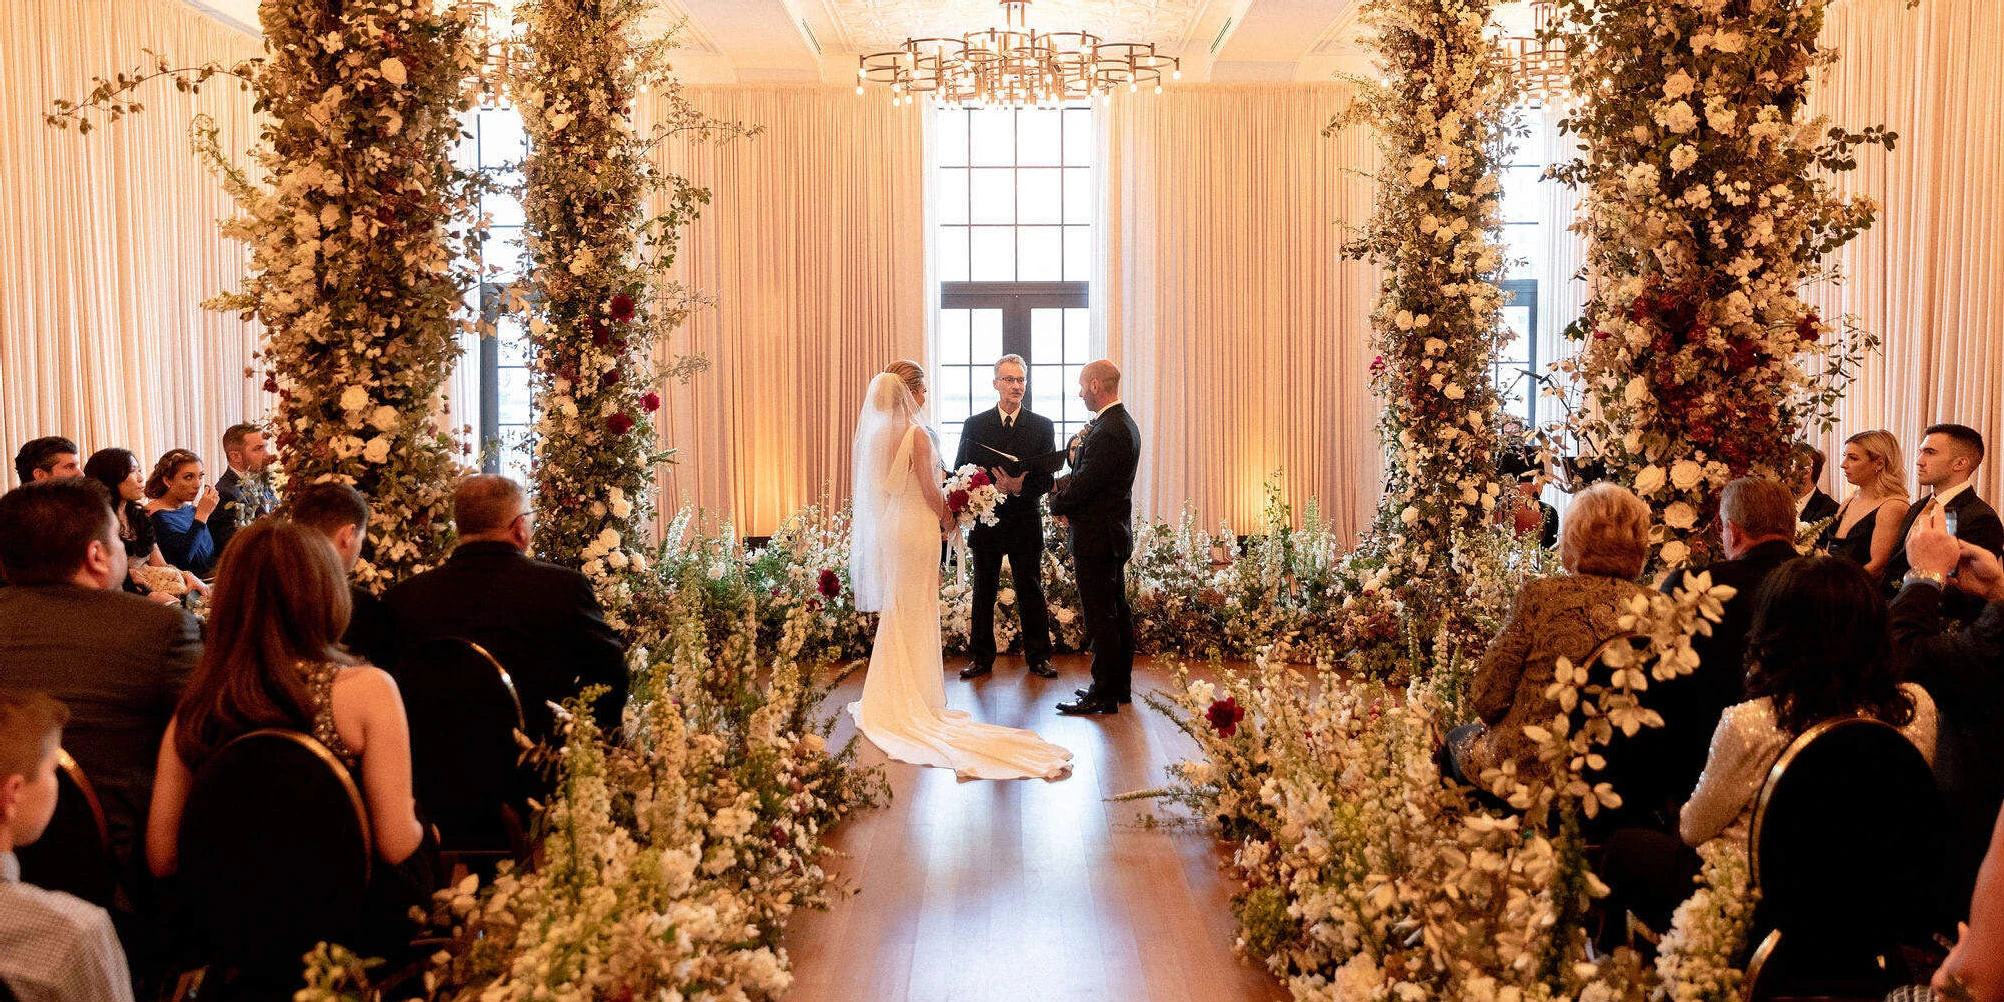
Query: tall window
[1526, 211]
[496, 143]
[1013, 198]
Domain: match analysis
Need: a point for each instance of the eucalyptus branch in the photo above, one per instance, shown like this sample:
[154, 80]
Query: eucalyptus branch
[114, 98]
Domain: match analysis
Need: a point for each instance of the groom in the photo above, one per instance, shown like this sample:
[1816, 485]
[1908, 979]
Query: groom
[1019, 533]
[1097, 498]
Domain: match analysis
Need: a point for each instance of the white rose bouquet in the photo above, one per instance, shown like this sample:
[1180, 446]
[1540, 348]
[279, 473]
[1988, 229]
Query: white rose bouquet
[972, 497]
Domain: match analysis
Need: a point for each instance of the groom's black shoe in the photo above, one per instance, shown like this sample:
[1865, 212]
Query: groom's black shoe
[1088, 704]
[1088, 692]
[1043, 669]
[975, 669]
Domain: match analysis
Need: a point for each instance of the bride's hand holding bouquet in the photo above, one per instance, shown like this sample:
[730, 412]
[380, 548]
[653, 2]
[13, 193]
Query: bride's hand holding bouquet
[971, 498]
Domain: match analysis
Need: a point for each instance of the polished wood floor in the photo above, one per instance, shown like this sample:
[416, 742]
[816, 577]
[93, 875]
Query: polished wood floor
[1028, 890]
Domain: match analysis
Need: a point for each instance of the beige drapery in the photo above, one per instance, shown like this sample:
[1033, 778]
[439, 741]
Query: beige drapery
[1240, 332]
[1929, 277]
[108, 242]
[812, 247]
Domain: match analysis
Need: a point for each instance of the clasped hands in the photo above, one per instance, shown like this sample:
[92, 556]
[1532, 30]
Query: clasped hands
[1972, 568]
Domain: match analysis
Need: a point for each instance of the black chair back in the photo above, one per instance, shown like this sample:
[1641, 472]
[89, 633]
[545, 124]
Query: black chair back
[74, 853]
[463, 714]
[1845, 847]
[276, 855]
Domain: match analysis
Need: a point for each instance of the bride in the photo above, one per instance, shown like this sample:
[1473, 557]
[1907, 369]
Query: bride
[900, 517]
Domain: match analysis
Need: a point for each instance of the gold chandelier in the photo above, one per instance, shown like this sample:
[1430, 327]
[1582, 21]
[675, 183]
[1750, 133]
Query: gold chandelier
[1015, 65]
[1539, 66]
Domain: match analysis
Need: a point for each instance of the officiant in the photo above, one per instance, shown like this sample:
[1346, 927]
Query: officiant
[1007, 440]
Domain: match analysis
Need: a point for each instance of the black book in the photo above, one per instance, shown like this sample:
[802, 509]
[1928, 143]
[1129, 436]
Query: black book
[1049, 462]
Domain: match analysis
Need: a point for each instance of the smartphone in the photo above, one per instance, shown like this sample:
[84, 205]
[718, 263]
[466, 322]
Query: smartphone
[1948, 521]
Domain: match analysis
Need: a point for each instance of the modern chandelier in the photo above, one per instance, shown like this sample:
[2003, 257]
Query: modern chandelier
[1015, 65]
[1538, 63]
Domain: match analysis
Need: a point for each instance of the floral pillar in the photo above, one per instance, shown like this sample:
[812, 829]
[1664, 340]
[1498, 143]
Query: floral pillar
[354, 251]
[1708, 204]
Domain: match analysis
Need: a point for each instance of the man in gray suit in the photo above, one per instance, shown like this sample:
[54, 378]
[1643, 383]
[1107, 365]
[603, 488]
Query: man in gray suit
[117, 661]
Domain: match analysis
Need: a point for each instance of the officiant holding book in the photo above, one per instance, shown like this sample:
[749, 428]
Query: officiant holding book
[1018, 449]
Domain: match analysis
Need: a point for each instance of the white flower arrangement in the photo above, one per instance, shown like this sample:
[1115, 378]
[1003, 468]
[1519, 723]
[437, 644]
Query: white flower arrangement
[971, 497]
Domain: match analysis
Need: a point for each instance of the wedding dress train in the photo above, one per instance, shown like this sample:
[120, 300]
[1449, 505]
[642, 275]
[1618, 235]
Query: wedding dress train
[895, 570]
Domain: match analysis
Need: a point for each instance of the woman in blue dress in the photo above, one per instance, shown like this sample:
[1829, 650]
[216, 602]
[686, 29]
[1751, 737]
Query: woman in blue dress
[180, 510]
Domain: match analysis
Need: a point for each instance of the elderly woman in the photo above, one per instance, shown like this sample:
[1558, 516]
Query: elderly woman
[1603, 545]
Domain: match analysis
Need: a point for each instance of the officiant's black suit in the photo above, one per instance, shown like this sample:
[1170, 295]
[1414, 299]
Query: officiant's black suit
[1098, 498]
[1018, 534]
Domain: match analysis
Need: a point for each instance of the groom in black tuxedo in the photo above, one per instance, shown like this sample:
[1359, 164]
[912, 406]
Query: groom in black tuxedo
[1097, 498]
[1019, 534]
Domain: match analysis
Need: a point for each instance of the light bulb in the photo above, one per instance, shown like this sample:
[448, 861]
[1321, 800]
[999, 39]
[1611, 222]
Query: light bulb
[1158, 88]
[1131, 88]
[1176, 74]
[859, 88]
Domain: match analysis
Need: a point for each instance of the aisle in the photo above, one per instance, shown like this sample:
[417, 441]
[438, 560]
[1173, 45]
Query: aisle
[1027, 890]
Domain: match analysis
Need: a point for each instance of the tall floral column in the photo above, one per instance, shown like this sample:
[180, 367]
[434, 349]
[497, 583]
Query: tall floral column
[1708, 203]
[354, 237]
[596, 310]
[1442, 120]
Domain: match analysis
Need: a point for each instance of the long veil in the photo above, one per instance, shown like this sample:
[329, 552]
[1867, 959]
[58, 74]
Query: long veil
[878, 466]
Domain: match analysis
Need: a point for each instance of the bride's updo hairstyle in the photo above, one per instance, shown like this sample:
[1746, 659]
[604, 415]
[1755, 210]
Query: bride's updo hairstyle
[910, 372]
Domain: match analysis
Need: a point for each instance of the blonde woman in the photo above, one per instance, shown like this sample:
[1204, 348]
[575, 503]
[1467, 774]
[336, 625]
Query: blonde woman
[1866, 530]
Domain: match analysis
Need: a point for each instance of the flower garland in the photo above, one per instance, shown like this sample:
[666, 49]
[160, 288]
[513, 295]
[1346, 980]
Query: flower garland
[1708, 204]
[594, 256]
[1442, 120]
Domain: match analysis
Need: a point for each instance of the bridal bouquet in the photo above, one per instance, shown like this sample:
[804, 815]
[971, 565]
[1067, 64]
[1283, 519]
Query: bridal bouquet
[972, 497]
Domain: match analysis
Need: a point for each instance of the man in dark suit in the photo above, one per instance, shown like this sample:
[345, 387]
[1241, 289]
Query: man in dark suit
[1811, 504]
[246, 498]
[1097, 499]
[1655, 770]
[1019, 531]
[118, 661]
[1949, 456]
[1962, 669]
[541, 621]
[341, 513]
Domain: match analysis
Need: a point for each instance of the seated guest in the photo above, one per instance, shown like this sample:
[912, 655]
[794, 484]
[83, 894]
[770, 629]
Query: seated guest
[118, 471]
[47, 458]
[273, 660]
[180, 512]
[1974, 970]
[1962, 668]
[1866, 529]
[541, 621]
[1602, 547]
[1522, 505]
[1811, 504]
[118, 661]
[1817, 649]
[340, 513]
[1655, 769]
[1948, 459]
[53, 947]
[246, 496]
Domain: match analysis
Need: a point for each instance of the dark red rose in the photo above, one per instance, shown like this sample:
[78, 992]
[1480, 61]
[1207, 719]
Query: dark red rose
[619, 424]
[271, 384]
[1805, 328]
[1599, 335]
[813, 605]
[979, 479]
[600, 333]
[622, 308]
[609, 378]
[830, 584]
[956, 502]
[1225, 715]
[650, 401]
[1638, 309]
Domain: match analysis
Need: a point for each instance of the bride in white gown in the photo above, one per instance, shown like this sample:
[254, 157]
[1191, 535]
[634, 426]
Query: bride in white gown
[894, 568]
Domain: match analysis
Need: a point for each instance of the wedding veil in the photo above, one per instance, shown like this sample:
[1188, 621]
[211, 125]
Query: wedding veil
[879, 464]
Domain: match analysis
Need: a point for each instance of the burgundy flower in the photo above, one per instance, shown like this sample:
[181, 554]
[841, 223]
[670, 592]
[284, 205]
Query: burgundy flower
[813, 605]
[622, 308]
[1599, 335]
[609, 378]
[956, 502]
[1225, 715]
[650, 401]
[830, 584]
[271, 384]
[600, 333]
[979, 479]
[619, 424]
[1805, 328]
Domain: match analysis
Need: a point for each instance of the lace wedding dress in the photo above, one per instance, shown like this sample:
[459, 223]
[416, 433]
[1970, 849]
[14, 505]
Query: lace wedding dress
[894, 568]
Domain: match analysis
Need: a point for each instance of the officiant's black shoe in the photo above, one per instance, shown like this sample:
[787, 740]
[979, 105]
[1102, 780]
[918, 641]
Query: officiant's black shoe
[1087, 705]
[975, 670]
[1088, 692]
[1043, 669]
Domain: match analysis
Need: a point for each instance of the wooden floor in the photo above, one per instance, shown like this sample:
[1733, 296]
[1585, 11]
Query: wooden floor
[1027, 890]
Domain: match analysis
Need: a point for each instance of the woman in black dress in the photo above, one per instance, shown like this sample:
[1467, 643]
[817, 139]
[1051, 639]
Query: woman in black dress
[1866, 530]
[118, 470]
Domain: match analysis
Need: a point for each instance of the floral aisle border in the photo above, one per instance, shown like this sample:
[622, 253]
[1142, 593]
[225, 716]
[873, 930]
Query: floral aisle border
[1708, 204]
[1443, 122]
[357, 231]
[592, 285]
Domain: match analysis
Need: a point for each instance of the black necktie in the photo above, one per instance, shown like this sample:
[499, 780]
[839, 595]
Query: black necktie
[1008, 420]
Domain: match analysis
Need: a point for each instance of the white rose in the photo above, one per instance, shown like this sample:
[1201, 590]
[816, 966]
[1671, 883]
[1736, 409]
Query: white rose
[1685, 474]
[1649, 481]
[1006, 596]
[1678, 85]
[393, 71]
[378, 449]
[385, 418]
[1636, 392]
[616, 559]
[1675, 553]
[354, 398]
[1680, 516]
[1410, 516]
[1454, 391]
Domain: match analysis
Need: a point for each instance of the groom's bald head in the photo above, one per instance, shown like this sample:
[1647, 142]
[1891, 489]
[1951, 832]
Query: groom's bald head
[1099, 384]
